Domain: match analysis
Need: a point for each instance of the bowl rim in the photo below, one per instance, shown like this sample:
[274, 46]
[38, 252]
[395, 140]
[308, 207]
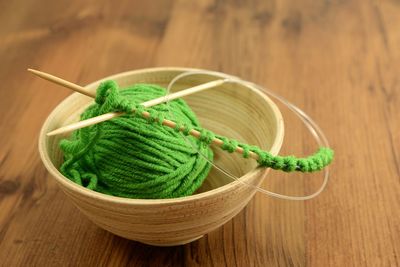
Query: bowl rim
[60, 178]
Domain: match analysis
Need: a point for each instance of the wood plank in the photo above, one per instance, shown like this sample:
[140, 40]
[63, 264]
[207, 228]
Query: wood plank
[338, 60]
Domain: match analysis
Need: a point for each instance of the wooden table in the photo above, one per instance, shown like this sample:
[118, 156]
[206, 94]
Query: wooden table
[337, 60]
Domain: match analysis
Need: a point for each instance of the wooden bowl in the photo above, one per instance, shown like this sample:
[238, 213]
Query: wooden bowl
[231, 110]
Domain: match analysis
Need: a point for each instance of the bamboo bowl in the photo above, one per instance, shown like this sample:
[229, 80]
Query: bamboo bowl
[231, 110]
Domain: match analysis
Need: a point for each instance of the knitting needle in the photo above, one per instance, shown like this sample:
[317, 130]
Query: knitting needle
[108, 116]
[150, 103]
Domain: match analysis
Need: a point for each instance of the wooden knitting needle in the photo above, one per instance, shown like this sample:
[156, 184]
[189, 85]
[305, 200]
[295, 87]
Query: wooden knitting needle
[108, 116]
[145, 114]
[150, 103]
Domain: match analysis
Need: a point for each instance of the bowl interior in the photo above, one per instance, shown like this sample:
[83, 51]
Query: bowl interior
[231, 110]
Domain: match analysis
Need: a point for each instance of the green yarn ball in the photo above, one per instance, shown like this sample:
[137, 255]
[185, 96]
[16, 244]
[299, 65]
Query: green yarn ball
[132, 157]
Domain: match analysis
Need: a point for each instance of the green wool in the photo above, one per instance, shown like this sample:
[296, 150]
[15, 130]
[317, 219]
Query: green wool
[135, 157]
[132, 157]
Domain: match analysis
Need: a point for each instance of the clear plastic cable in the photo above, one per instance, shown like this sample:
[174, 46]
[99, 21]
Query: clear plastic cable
[314, 129]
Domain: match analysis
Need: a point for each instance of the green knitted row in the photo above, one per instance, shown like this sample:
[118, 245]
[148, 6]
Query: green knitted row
[315, 162]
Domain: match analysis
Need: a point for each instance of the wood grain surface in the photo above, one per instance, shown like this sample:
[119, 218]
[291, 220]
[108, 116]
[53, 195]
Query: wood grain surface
[338, 60]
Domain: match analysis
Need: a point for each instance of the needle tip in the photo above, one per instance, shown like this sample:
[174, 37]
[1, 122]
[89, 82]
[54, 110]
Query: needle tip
[32, 71]
[52, 133]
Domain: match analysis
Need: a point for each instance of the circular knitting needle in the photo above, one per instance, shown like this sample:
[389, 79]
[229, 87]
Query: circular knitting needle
[145, 114]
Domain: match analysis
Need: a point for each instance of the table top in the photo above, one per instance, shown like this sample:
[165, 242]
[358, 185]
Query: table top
[337, 60]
